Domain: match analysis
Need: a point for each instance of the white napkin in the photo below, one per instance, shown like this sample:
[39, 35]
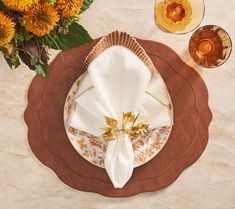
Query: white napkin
[117, 82]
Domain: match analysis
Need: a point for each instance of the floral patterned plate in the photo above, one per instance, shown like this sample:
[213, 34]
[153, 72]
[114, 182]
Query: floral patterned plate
[93, 148]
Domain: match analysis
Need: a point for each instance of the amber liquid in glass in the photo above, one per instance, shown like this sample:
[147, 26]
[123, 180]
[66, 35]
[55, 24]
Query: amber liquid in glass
[205, 47]
[208, 46]
[175, 12]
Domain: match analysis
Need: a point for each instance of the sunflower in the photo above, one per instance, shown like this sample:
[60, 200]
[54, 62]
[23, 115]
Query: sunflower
[68, 8]
[40, 20]
[174, 15]
[19, 5]
[7, 29]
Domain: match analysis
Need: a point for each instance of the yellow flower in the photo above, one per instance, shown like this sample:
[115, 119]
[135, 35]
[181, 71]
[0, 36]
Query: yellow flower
[173, 15]
[19, 5]
[7, 29]
[68, 8]
[40, 20]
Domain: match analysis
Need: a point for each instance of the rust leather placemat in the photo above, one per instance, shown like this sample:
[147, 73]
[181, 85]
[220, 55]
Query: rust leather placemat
[49, 142]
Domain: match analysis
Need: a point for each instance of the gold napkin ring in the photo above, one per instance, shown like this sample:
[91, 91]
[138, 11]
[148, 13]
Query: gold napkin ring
[128, 127]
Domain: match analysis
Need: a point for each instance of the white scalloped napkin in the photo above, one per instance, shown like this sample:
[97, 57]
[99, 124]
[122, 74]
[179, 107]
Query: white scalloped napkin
[121, 78]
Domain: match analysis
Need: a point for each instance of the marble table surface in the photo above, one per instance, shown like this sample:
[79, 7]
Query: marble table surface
[25, 183]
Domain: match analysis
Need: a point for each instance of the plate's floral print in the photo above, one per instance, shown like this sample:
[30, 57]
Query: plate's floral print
[94, 148]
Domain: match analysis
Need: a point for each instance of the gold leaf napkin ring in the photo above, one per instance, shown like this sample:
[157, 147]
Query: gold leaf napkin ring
[128, 127]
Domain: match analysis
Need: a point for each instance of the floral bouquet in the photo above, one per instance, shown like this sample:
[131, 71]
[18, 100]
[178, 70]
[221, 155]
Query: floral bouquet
[29, 28]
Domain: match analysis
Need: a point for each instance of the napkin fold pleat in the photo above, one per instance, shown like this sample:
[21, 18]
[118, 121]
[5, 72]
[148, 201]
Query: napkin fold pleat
[120, 83]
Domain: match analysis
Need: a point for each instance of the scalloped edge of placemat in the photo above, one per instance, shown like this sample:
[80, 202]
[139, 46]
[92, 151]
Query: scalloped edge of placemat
[44, 160]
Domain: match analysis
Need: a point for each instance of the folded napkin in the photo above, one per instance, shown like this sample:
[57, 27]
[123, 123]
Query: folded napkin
[120, 79]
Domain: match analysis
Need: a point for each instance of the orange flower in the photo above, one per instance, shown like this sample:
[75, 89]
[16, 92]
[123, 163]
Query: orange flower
[19, 5]
[40, 20]
[7, 29]
[68, 8]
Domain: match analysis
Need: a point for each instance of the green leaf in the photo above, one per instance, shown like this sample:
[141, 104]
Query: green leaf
[37, 63]
[16, 62]
[41, 70]
[77, 36]
[23, 36]
[34, 60]
[3, 8]
[50, 40]
[86, 5]
[13, 62]
[21, 21]
[52, 1]
[22, 57]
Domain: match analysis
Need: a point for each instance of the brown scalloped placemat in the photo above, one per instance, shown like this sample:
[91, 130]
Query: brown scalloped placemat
[49, 142]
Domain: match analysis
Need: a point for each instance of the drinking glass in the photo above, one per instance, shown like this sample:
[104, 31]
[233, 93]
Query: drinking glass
[210, 46]
[179, 16]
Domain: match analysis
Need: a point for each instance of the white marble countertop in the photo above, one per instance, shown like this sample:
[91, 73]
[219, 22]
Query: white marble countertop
[25, 183]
